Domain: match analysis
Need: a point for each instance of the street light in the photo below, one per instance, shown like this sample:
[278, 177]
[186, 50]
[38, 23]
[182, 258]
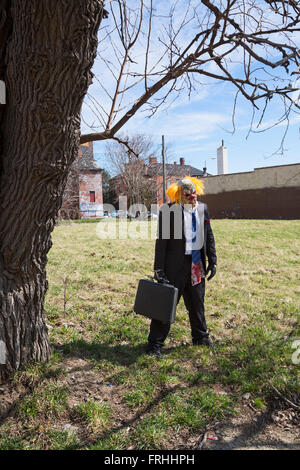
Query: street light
[211, 158]
[205, 168]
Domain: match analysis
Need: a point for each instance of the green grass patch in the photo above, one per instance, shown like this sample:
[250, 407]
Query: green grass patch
[252, 312]
[93, 414]
[47, 401]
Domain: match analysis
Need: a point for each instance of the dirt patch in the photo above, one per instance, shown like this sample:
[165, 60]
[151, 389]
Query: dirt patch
[256, 430]
[86, 383]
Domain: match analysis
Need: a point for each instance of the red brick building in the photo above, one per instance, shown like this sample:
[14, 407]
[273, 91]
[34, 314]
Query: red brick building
[83, 196]
[174, 172]
[152, 173]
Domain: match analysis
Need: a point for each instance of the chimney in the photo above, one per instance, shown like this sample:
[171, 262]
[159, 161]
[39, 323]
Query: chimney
[152, 160]
[91, 147]
[204, 171]
[222, 159]
[182, 161]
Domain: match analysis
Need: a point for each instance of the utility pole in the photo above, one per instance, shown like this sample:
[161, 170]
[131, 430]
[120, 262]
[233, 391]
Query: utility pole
[164, 167]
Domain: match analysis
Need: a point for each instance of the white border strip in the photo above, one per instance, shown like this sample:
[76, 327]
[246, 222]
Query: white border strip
[2, 92]
[2, 352]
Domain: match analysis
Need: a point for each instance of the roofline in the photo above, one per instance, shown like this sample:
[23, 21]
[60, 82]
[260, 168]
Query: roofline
[255, 169]
[276, 166]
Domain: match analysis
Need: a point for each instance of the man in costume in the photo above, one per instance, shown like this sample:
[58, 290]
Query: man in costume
[184, 241]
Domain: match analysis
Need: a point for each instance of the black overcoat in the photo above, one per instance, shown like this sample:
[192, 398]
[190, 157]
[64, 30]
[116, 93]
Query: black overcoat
[170, 251]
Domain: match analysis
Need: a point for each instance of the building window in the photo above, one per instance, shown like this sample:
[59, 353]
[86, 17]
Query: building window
[92, 196]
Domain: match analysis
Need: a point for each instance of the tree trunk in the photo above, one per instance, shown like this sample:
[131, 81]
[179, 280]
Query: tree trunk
[49, 54]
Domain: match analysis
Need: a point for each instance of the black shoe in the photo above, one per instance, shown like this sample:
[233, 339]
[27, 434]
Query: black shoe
[154, 351]
[203, 342]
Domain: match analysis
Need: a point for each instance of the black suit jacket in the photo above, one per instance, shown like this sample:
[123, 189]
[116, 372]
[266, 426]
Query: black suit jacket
[170, 252]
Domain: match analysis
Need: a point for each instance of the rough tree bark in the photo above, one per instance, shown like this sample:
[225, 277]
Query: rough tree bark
[49, 56]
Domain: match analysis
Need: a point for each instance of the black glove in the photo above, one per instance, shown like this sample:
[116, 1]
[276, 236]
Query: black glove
[160, 277]
[213, 269]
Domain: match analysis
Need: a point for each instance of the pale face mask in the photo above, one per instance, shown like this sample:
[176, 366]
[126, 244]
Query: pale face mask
[188, 192]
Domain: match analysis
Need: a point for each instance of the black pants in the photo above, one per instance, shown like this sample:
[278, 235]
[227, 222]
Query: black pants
[193, 297]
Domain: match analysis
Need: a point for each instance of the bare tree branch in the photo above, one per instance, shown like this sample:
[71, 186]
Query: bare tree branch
[244, 39]
[129, 159]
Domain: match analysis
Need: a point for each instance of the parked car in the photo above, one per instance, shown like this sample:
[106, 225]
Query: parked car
[152, 215]
[121, 214]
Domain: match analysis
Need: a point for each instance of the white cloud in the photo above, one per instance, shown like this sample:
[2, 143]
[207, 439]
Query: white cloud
[191, 126]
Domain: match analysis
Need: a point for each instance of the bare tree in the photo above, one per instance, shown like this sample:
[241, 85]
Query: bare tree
[150, 55]
[131, 168]
[47, 50]
[108, 189]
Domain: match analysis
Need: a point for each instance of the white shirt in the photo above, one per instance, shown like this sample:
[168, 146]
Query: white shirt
[188, 229]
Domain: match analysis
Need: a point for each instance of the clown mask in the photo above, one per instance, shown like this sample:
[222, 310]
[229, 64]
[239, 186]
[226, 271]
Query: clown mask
[188, 192]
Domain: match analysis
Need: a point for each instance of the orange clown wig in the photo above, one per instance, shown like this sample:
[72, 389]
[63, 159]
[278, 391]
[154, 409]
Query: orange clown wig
[174, 191]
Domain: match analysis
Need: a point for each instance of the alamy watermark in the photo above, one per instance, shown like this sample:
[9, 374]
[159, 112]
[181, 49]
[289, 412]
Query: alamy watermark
[131, 223]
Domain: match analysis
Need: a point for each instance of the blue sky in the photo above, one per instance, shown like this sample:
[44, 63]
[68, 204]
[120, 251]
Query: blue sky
[195, 126]
[195, 131]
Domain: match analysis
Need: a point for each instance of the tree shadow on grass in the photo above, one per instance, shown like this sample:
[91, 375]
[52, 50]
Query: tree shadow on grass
[120, 354]
[126, 355]
[248, 434]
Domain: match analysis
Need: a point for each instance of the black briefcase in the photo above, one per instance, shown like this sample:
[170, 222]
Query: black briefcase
[156, 300]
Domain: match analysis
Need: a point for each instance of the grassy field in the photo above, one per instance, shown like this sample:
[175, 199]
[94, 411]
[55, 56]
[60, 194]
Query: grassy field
[101, 391]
